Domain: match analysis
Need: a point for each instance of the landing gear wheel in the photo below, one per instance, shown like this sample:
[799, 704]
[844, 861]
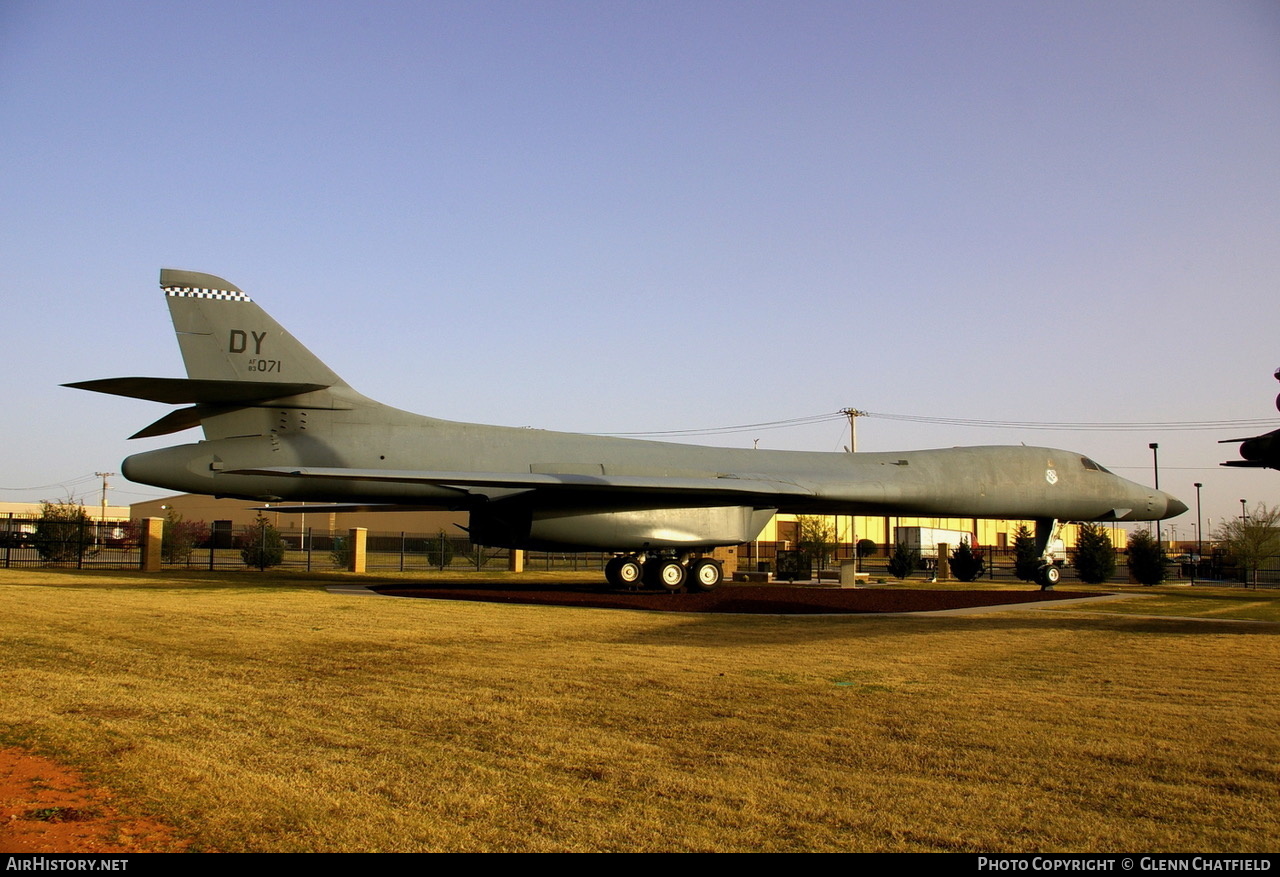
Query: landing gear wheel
[669, 575]
[627, 573]
[1049, 576]
[705, 575]
[622, 572]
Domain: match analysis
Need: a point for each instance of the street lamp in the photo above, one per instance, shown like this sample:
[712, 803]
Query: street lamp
[1155, 462]
[1244, 515]
[1199, 536]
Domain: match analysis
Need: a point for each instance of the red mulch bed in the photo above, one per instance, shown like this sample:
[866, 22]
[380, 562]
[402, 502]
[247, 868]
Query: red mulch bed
[763, 599]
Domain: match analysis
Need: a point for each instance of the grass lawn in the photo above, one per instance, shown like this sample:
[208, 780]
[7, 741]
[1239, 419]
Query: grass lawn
[258, 712]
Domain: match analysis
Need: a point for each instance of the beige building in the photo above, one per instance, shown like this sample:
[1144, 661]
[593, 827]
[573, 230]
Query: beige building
[999, 534]
[32, 510]
[231, 515]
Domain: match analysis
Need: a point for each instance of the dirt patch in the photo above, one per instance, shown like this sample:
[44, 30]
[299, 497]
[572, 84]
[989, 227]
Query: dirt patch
[48, 808]
[760, 599]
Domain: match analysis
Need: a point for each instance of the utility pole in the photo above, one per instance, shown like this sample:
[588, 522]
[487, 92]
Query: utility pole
[104, 476]
[853, 414]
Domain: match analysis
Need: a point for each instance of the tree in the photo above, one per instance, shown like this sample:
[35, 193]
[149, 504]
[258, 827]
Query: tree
[340, 552]
[966, 564]
[261, 544]
[63, 531]
[1095, 555]
[1253, 540]
[867, 548]
[1026, 560]
[1146, 558]
[439, 550]
[815, 539]
[180, 537]
[904, 561]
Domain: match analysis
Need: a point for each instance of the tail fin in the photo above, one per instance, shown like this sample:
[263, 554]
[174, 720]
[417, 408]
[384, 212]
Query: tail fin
[224, 336]
[241, 365]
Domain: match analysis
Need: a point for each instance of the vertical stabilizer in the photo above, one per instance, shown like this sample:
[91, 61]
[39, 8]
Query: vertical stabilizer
[224, 336]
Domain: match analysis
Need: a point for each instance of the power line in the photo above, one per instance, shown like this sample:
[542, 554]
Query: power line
[70, 483]
[745, 427]
[1079, 426]
[1083, 426]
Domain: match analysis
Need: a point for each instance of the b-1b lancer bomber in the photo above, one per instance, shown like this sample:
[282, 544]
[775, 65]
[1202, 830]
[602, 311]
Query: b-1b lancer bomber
[279, 425]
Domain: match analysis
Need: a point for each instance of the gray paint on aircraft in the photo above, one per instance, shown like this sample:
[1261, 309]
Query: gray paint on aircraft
[280, 425]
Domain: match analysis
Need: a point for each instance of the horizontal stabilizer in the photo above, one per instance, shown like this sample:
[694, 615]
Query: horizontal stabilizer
[1247, 464]
[174, 421]
[722, 485]
[178, 391]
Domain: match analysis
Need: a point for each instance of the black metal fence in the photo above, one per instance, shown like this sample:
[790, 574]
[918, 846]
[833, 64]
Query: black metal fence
[86, 544]
[998, 563]
[27, 542]
[67, 543]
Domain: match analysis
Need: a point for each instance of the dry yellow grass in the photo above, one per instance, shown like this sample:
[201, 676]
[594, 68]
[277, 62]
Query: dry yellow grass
[261, 717]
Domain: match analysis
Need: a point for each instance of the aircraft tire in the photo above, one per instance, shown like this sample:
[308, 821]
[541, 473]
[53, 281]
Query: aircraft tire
[669, 575]
[705, 574]
[627, 573]
[1050, 576]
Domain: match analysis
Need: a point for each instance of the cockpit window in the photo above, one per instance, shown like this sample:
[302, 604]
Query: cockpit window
[1089, 464]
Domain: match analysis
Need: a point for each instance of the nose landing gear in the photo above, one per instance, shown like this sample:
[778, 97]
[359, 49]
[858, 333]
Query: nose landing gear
[1049, 573]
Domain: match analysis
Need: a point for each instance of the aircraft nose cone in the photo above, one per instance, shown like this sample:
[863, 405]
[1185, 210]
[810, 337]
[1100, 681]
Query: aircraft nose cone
[1173, 506]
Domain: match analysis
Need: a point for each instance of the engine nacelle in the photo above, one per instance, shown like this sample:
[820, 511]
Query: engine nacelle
[1263, 449]
[633, 530]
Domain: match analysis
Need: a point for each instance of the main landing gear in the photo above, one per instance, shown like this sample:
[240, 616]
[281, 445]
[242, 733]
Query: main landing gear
[666, 573]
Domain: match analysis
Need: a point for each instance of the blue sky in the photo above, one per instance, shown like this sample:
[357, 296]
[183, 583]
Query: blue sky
[621, 217]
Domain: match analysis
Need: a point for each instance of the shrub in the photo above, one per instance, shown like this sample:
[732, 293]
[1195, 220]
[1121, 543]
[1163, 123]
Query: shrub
[1146, 558]
[261, 545]
[966, 564]
[439, 550]
[340, 552]
[1026, 560]
[904, 561]
[181, 537]
[1095, 556]
[62, 531]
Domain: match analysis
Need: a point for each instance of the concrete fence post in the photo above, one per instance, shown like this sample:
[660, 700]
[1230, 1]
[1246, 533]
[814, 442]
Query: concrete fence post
[152, 539]
[359, 542]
